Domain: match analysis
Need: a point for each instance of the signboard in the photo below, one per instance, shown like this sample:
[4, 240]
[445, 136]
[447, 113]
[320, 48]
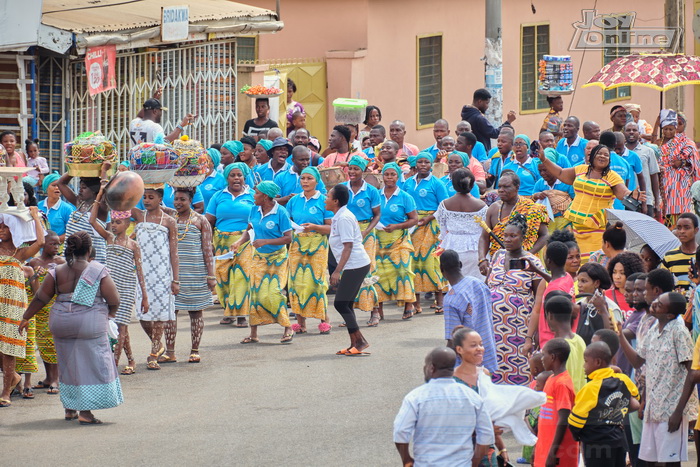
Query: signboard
[100, 68]
[175, 22]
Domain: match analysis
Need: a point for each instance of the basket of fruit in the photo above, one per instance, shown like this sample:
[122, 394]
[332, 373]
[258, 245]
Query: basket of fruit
[259, 91]
[197, 163]
[155, 162]
[86, 153]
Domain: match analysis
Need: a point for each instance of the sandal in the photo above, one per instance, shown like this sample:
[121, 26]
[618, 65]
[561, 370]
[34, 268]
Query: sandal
[153, 364]
[324, 328]
[241, 323]
[407, 315]
[287, 338]
[128, 370]
[5, 403]
[296, 327]
[73, 416]
[417, 310]
[167, 359]
[226, 320]
[438, 310]
[94, 421]
[41, 385]
[250, 340]
[373, 321]
[53, 390]
[27, 393]
[194, 356]
[343, 351]
[353, 352]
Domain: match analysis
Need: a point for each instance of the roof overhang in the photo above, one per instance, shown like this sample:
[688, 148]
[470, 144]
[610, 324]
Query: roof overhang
[136, 23]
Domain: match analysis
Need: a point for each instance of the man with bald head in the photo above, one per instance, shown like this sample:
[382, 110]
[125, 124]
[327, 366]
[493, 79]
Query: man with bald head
[397, 133]
[571, 144]
[481, 127]
[441, 417]
[441, 128]
[591, 130]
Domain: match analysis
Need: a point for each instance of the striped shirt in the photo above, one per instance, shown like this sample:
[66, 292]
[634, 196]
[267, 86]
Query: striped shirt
[469, 304]
[679, 264]
[441, 416]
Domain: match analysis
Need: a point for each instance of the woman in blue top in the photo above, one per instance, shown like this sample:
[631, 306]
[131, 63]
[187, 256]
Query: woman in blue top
[57, 210]
[457, 160]
[523, 165]
[308, 255]
[365, 205]
[228, 212]
[428, 192]
[549, 187]
[272, 231]
[215, 181]
[394, 249]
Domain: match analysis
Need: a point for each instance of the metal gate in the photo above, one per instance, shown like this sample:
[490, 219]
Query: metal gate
[198, 79]
[51, 108]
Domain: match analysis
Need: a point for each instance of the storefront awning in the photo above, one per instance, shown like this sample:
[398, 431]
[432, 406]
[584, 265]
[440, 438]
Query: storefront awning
[136, 23]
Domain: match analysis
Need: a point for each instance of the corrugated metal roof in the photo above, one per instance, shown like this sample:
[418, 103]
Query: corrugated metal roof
[95, 16]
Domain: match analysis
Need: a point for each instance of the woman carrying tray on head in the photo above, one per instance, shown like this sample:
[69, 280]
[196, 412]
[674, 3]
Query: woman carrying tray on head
[156, 234]
[80, 218]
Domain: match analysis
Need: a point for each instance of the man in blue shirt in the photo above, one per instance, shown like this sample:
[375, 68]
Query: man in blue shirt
[500, 158]
[571, 144]
[631, 158]
[289, 181]
[377, 136]
[440, 129]
[278, 153]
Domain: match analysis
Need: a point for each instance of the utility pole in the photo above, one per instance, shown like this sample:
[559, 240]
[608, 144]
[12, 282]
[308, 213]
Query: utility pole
[674, 18]
[493, 57]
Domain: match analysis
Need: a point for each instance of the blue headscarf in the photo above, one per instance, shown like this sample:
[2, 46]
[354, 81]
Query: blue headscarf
[234, 147]
[268, 188]
[245, 170]
[392, 166]
[465, 158]
[48, 180]
[425, 155]
[312, 171]
[524, 138]
[265, 143]
[358, 161]
[215, 156]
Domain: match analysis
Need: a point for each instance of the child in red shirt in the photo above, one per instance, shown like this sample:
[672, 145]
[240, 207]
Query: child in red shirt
[555, 443]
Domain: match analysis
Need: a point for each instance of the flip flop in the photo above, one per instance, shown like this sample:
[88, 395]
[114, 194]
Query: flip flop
[5, 403]
[128, 370]
[342, 352]
[226, 320]
[166, 359]
[353, 352]
[71, 418]
[287, 338]
[250, 340]
[41, 385]
[27, 393]
[153, 365]
[53, 390]
[94, 421]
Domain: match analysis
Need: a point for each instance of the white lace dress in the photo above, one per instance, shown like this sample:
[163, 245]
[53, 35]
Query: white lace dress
[460, 232]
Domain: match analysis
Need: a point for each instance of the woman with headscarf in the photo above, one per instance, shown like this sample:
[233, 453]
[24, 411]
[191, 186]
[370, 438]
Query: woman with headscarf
[80, 218]
[228, 212]
[364, 203]
[57, 210]
[272, 231]
[679, 165]
[455, 161]
[427, 192]
[524, 166]
[215, 181]
[13, 233]
[394, 249]
[85, 298]
[229, 153]
[156, 234]
[308, 253]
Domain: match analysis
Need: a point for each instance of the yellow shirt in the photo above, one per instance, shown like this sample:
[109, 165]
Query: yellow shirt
[574, 365]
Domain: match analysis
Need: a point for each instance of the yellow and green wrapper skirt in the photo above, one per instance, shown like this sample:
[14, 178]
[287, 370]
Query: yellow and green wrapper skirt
[267, 302]
[394, 267]
[426, 265]
[233, 275]
[367, 296]
[308, 276]
[28, 364]
[44, 338]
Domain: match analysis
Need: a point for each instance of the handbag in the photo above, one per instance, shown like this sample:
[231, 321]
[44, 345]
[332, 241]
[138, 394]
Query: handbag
[631, 204]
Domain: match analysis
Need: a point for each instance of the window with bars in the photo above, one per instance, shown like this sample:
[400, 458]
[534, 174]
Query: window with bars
[429, 79]
[247, 49]
[534, 43]
[616, 33]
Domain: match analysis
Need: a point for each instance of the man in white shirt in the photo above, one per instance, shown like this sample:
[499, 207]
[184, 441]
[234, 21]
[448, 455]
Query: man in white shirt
[145, 129]
[650, 166]
[441, 416]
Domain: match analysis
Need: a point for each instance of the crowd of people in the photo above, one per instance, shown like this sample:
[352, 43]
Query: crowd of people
[511, 243]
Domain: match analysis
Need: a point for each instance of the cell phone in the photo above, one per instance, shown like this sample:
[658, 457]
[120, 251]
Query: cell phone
[693, 267]
[517, 263]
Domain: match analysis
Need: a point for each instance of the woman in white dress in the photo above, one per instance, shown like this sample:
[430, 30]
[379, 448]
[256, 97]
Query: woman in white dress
[459, 230]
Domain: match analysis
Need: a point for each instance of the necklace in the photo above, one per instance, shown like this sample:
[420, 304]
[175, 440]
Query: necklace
[187, 226]
[118, 244]
[83, 208]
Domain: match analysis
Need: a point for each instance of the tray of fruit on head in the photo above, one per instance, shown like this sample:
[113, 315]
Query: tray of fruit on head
[197, 166]
[155, 162]
[259, 91]
[86, 153]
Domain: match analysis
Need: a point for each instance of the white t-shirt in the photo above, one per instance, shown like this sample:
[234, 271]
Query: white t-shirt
[144, 131]
[344, 229]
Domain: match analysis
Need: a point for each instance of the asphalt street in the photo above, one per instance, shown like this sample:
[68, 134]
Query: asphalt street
[259, 404]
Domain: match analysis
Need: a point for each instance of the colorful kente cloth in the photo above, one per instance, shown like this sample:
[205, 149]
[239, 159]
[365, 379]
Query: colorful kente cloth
[367, 296]
[233, 274]
[426, 265]
[44, 338]
[513, 299]
[676, 182]
[194, 292]
[28, 364]
[267, 302]
[394, 267]
[536, 214]
[587, 210]
[13, 302]
[308, 270]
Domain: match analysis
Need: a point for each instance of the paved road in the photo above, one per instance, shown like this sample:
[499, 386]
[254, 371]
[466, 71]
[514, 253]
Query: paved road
[265, 404]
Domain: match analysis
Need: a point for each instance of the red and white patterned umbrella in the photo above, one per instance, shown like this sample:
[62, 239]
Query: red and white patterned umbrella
[653, 70]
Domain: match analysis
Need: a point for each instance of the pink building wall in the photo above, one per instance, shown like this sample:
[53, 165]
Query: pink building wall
[370, 48]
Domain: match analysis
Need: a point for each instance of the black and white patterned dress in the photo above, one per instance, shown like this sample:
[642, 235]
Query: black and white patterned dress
[81, 221]
[194, 293]
[122, 269]
[158, 275]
